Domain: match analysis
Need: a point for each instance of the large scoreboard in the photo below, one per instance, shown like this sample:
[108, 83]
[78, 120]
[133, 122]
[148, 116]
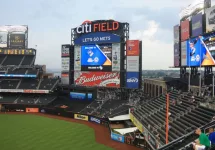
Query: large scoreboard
[99, 55]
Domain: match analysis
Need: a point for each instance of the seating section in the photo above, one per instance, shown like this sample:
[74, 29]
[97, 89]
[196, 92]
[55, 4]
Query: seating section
[186, 115]
[29, 99]
[32, 71]
[47, 84]
[13, 60]
[17, 71]
[8, 84]
[73, 105]
[28, 60]
[2, 57]
[29, 84]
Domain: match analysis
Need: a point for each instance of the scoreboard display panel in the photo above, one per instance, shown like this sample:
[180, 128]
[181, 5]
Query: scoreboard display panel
[17, 51]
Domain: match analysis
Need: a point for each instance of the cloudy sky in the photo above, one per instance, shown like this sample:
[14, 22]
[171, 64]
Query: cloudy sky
[50, 23]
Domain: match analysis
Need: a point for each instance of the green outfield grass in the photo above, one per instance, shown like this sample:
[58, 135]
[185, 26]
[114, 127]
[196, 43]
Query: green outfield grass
[29, 132]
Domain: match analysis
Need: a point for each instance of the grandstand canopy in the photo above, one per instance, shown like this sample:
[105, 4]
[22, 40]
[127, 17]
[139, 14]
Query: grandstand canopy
[126, 130]
[120, 118]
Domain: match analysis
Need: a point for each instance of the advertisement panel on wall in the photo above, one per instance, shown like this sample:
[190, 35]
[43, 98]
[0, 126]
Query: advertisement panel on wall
[199, 53]
[81, 117]
[132, 63]
[65, 78]
[65, 63]
[184, 53]
[94, 119]
[132, 47]
[136, 123]
[17, 40]
[65, 50]
[96, 57]
[77, 58]
[98, 38]
[80, 96]
[116, 57]
[117, 137]
[176, 54]
[18, 51]
[132, 80]
[102, 79]
[33, 110]
[176, 33]
[185, 30]
[197, 28]
[210, 21]
[3, 38]
[102, 26]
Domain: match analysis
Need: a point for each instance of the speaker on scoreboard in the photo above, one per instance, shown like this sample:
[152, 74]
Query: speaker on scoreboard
[71, 68]
[122, 65]
[140, 64]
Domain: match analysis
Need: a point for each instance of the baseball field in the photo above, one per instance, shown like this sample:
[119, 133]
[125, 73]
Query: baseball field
[22, 131]
[31, 132]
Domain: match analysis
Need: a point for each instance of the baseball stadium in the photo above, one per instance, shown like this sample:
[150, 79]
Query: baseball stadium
[100, 100]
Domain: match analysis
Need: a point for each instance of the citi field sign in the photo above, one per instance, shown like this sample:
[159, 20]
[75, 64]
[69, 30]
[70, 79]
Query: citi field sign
[98, 26]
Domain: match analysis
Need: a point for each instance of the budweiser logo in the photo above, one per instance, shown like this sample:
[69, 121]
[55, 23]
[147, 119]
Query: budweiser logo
[84, 79]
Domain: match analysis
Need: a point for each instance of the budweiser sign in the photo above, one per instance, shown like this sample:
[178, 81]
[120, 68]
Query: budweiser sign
[106, 79]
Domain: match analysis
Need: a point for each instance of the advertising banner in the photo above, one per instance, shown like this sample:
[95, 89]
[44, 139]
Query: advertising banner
[3, 38]
[210, 21]
[185, 30]
[136, 123]
[80, 96]
[176, 54]
[197, 28]
[81, 117]
[98, 38]
[103, 79]
[132, 63]
[19, 75]
[116, 57]
[198, 53]
[65, 78]
[176, 33]
[117, 137]
[129, 140]
[65, 63]
[32, 110]
[11, 90]
[65, 50]
[18, 51]
[184, 53]
[102, 26]
[77, 58]
[96, 57]
[132, 47]
[132, 80]
[95, 120]
[36, 91]
[17, 40]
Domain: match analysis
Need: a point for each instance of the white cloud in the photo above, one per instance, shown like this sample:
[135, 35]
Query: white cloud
[154, 51]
